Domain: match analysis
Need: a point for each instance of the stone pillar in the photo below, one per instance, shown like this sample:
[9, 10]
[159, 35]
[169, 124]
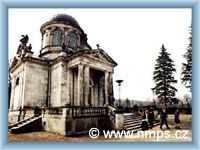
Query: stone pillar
[119, 121]
[86, 85]
[21, 89]
[92, 95]
[106, 87]
[80, 85]
[69, 87]
[42, 44]
[101, 92]
[49, 35]
[64, 113]
[12, 95]
[111, 94]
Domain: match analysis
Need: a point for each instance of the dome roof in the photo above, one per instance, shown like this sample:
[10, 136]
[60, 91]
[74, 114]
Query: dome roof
[66, 19]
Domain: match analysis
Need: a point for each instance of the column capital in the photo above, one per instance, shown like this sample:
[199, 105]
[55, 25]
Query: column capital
[83, 63]
[108, 71]
[86, 65]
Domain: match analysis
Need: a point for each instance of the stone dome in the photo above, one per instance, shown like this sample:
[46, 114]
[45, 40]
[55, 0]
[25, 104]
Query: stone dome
[66, 19]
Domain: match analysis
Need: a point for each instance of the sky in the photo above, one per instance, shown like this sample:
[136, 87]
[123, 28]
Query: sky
[132, 37]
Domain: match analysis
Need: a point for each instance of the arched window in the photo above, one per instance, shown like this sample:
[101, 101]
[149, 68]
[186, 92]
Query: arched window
[72, 39]
[56, 37]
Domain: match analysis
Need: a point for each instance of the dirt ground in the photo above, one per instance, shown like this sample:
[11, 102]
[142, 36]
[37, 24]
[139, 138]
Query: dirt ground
[153, 135]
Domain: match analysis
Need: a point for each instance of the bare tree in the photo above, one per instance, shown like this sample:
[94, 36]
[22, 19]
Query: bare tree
[187, 100]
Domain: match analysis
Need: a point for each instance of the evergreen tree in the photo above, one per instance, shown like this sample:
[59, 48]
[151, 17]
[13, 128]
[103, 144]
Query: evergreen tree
[163, 78]
[186, 74]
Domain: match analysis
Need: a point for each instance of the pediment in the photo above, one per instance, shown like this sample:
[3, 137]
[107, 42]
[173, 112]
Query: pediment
[102, 55]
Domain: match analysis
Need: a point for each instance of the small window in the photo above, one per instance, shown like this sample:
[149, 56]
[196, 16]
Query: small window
[56, 37]
[72, 40]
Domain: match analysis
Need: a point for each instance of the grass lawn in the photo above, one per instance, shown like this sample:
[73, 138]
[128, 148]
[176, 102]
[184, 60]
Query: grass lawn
[185, 133]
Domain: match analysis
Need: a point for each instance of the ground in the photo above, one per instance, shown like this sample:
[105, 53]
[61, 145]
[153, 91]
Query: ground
[183, 135]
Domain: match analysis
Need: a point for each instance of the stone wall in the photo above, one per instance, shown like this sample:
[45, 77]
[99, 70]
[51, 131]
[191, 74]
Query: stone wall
[83, 125]
[18, 74]
[70, 126]
[54, 123]
[64, 85]
[36, 80]
[56, 85]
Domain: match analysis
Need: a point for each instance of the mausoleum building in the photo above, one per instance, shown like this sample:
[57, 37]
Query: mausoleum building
[68, 75]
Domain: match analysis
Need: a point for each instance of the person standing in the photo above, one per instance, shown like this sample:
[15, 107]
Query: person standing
[151, 118]
[144, 124]
[176, 119]
[163, 118]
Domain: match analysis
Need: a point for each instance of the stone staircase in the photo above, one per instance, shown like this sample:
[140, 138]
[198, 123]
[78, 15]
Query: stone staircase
[133, 122]
[33, 123]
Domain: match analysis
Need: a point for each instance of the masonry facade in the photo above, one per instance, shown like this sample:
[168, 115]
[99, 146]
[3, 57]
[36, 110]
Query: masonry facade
[67, 72]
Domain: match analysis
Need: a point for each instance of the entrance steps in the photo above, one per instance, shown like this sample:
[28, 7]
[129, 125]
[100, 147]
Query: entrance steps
[33, 123]
[133, 122]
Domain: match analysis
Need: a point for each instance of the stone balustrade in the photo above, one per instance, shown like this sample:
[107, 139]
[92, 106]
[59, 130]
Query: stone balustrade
[88, 111]
[77, 111]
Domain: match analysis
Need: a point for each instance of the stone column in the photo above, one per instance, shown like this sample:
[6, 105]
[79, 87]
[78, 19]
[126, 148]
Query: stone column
[111, 96]
[69, 87]
[106, 87]
[86, 85]
[101, 92]
[80, 85]
[92, 95]
[23, 87]
[42, 44]
[50, 37]
[20, 89]
[12, 95]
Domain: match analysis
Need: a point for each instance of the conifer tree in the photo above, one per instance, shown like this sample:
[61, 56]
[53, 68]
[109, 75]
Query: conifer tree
[164, 78]
[186, 74]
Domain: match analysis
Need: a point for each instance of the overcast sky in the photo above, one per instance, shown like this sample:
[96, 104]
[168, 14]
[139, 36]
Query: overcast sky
[132, 37]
